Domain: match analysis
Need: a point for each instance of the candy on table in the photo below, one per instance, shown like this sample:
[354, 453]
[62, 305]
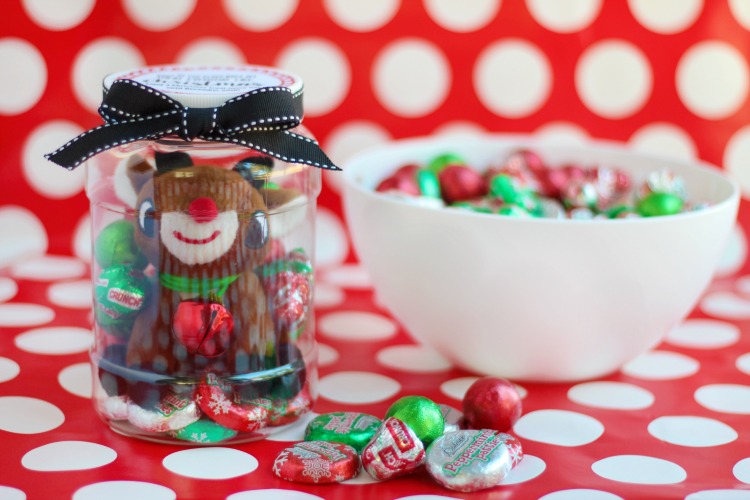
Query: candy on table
[491, 403]
[522, 185]
[472, 460]
[352, 428]
[394, 450]
[317, 462]
[422, 415]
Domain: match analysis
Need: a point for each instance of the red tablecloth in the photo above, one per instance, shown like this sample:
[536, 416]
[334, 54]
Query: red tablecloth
[674, 423]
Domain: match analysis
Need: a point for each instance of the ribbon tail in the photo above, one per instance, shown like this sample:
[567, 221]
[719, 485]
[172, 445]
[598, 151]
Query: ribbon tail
[111, 135]
[282, 144]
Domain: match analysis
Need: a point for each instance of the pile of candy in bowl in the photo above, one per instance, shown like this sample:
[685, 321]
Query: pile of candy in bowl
[522, 185]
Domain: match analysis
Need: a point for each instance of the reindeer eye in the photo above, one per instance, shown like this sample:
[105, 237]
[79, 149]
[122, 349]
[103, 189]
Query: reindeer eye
[257, 231]
[146, 221]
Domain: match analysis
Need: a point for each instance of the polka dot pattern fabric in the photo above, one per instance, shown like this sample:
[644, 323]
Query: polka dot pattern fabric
[669, 77]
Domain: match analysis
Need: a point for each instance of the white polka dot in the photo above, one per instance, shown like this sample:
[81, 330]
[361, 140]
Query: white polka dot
[260, 15]
[274, 494]
[719, 495]
[331, 241]
[23, 91]
[76, 379]
[19, 314]
[29, 236]
[348, 139]
[736, 157]
[564, 16]
[457, 387]
[712, 79]
[703, 334]
[8, 493]
[327, 295]
[726, 305]
[512, 78]
[211, 50]
[411, 77]
[462, 17]
[361, 16]
[8, 289]
[611, 395]
[664, 139]
[562, 133]
[48, 179]
[742, 285]
[72, 294]
[666, 16]
[58, 15]
[210, 463]
[580, 494]
[124, 490]
[82, 239]
[68, 455]
[741, 470]
[358, 387]
[352, 276]
[639, 469]
[613, 78]
[56, 340]
[459, 129]
[412, 358]
[158, 16]
[356, 325]
[327, 355]
[661, 365]
[529, 468]
[98, 59]
[9, 369]
[559, 427]
[295, 432]
[22, 415]
[325, 70]
[725, 398]
[741, 12]
[49, 268]
[691, 431]
[742, 363]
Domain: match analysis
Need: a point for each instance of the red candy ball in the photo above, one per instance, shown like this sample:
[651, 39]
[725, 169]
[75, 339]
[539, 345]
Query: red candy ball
[492, 403]
[403, 180]
[459, 182]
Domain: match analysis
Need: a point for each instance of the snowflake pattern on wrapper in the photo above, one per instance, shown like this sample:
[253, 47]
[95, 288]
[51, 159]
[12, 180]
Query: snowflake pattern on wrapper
[219, 404]
[316, 468]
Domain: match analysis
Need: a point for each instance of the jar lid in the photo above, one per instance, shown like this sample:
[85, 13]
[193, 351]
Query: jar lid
[207, 86]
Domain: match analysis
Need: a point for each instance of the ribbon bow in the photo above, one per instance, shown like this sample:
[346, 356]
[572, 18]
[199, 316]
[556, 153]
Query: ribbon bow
[259, 119]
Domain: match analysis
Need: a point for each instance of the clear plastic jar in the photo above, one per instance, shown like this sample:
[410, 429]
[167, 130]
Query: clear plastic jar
[202, 271]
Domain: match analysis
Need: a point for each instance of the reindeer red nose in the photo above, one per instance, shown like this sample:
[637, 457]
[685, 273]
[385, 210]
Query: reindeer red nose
[203, 210]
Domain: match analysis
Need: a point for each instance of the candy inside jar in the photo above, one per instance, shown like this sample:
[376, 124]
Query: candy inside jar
[203, 187]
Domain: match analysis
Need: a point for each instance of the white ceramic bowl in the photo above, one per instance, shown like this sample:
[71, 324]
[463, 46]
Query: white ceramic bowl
[535, 299]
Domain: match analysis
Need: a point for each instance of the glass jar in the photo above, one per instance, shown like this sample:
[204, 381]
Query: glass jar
[202, 271]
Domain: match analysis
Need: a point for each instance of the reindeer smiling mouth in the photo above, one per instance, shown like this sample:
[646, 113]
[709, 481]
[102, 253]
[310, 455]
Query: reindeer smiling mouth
[196, 241]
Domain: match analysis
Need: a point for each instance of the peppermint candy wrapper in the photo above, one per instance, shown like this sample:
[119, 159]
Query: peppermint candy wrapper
[172, 413]
[242, 417]
[472, 460]
[348, 427]
[394, 450]
[317, 462]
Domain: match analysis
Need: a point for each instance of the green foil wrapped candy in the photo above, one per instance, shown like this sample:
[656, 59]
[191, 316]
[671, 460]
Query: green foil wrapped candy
[116, 245]
[354, 429]
[120, 294]
[422, 415]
